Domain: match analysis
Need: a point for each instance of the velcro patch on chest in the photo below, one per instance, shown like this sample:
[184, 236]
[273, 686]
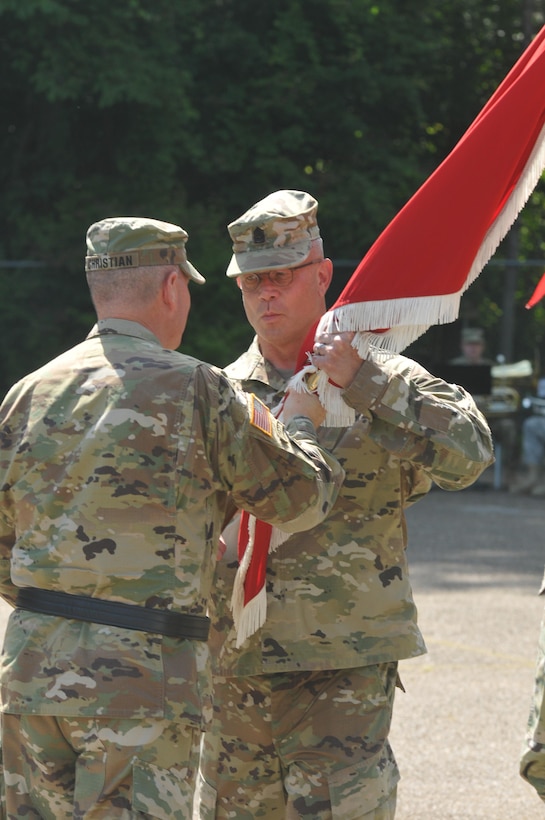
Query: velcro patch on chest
[260, 415]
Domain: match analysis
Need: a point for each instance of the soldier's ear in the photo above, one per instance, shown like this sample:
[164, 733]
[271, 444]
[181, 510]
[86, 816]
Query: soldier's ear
[169, 287]
[325, 273]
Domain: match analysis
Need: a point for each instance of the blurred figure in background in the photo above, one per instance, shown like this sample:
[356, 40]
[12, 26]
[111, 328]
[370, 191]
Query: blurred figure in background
[503, 426]
[472, 346]
[532, 479]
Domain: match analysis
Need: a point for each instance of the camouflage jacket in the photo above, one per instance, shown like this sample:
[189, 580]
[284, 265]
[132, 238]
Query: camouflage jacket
[117, 460]
[338, 596]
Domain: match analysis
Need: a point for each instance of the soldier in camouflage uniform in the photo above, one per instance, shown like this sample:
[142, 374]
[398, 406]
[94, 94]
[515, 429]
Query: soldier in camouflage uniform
[532, 763]
[117, 461]
[303, 708]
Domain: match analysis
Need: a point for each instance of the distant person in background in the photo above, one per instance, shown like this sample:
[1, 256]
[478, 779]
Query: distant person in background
[503, 428]
[532, 762]
[472, 347]
[532, 480]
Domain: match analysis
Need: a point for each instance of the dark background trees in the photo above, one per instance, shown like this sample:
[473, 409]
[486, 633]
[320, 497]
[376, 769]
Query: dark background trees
[190, 110]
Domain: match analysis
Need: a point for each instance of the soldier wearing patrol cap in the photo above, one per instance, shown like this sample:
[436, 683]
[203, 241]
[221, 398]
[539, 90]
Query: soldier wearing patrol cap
[504, 428]
[303, 707]
[118, 462]
[472, 345]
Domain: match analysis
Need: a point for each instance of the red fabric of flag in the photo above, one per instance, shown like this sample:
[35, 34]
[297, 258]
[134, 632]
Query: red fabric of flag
[538, 293]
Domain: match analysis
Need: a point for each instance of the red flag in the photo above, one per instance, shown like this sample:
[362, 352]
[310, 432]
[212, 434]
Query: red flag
[538, 293]
[416, 271]
[249, 599]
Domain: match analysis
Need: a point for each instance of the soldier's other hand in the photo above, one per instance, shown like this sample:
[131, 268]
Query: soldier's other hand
[302, 404]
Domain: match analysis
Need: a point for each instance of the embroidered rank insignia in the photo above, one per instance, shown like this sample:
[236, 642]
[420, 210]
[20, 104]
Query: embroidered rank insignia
[259, 236]
[260, 415]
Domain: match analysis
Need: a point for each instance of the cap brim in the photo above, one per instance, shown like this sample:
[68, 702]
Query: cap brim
[255, 261]
[192, 272]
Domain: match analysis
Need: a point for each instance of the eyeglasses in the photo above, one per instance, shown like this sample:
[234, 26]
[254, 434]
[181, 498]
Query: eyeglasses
[281, 278]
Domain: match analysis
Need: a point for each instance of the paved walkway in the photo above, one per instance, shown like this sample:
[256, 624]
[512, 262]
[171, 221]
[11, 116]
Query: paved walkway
[476, 562]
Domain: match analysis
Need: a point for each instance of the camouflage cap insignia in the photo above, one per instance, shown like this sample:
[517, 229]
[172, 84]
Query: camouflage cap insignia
[276, 232]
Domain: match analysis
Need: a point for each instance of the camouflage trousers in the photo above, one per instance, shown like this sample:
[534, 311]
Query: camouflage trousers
[63, 767]
[301, 744]
[532, 762]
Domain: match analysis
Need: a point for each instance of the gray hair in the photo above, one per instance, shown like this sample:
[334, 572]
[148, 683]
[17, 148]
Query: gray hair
[134, 286]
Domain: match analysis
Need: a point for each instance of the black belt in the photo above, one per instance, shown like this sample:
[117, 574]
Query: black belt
[114, 613]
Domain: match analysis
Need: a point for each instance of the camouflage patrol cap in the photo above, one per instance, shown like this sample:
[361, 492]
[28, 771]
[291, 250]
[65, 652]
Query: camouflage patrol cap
[276, 232]
[473, 335]
[135, 241]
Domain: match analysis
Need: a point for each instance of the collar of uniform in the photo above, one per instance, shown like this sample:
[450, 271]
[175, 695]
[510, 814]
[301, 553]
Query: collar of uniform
[251, 366]
[122, 327]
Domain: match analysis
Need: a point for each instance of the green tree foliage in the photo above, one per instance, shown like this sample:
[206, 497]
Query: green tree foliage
[190, 111]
